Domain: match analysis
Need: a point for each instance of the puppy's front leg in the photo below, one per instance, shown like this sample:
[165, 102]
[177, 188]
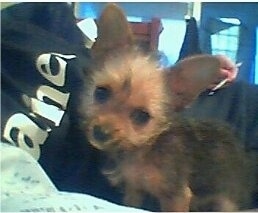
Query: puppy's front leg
[132, 197]
[179, 202]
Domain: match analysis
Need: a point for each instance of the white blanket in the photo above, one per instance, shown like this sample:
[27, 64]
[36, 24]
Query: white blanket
[26, 187]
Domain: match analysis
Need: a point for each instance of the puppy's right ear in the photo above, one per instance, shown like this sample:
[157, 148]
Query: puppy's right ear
[189, 77]
[114, 31]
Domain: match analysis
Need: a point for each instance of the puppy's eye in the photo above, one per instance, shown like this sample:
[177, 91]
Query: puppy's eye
[140, 116]
[102, 94]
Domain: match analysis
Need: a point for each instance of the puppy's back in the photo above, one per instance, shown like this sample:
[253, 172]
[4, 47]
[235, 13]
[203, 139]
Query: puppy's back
[216, 165]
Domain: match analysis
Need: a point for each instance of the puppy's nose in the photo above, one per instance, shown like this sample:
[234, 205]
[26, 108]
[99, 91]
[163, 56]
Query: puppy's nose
[100, 134]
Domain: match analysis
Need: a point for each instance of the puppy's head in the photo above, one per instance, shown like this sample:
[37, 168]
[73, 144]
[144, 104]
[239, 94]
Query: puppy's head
[129, 100]
[126, 104]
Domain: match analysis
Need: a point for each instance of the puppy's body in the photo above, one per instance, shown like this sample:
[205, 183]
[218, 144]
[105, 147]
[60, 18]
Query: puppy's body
[130, 107]
[186, 165]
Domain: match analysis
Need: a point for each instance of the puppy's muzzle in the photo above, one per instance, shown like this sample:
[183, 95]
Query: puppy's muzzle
[100, 134]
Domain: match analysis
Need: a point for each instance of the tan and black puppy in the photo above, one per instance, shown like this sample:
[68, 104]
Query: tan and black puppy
[131, 107]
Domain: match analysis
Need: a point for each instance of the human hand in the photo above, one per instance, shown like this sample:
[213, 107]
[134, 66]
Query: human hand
[228, 73]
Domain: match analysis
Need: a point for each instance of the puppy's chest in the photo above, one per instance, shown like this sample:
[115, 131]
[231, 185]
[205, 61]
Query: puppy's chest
[141, 172]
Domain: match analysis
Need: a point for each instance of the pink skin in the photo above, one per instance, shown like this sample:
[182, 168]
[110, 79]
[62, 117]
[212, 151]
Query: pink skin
[228, 70]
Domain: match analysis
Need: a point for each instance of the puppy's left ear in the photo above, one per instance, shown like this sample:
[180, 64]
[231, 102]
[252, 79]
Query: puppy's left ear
[189, 77]
[114, 31]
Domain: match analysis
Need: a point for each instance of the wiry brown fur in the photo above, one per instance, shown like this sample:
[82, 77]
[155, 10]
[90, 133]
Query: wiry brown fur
[186, 165]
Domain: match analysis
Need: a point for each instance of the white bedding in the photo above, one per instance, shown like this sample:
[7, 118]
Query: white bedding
[25, 187]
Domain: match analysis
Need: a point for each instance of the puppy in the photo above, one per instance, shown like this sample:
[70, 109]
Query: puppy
[131, 110]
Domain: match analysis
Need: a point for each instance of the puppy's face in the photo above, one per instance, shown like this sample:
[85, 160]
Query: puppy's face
[125, 104]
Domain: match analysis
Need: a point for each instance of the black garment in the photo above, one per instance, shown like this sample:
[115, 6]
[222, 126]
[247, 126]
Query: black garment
[43, 56]
[190, 44]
